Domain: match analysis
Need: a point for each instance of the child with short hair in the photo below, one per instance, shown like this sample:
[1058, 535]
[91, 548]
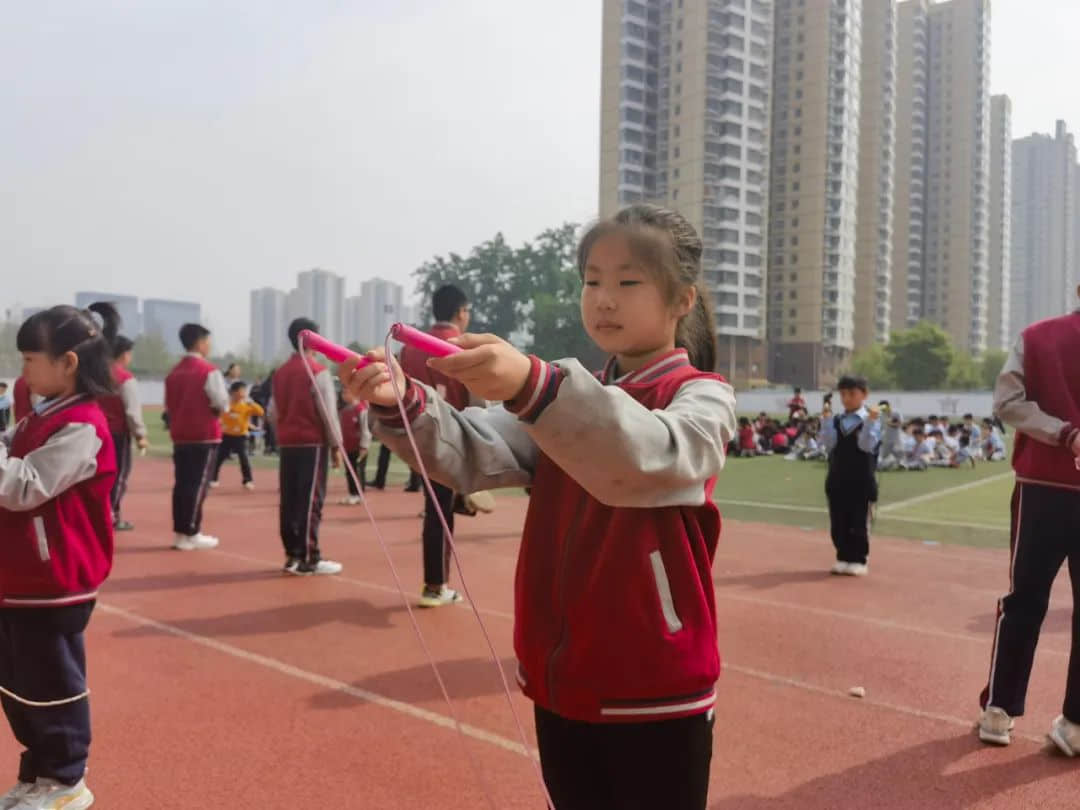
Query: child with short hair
[123, 412]
[308, 435]
[195, 398]
[56, 473]
[993, 444]
[748, 439]
[235, 427]
[616, 557]
[851, 440]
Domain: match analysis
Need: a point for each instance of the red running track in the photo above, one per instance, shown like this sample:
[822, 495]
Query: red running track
[218, 682]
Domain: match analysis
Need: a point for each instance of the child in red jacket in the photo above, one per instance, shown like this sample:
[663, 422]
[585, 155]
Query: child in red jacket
[356, 438]
[615, 619]
[56, 523]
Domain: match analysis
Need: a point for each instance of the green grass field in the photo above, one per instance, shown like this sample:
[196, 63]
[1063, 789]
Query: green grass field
[965, 506]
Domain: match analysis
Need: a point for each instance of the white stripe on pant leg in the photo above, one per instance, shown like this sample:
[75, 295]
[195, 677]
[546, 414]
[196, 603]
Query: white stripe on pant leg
[1001, 602]
[311, 506]
[200, 496]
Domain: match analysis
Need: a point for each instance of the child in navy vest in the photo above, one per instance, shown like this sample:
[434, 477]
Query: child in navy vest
[851, 440]
[56, 523]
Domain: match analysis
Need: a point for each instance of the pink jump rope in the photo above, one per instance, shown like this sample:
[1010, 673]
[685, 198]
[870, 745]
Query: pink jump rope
[431, 345]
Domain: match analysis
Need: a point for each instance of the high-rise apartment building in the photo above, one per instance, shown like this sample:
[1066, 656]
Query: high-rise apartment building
[127, 306]
[814, 177]
[269, 341]
[941, 259]
[163, 318]
[877, 165]
[999, 333]
[370, 315]
[685, 123]
[1044, 227]
[321, 297]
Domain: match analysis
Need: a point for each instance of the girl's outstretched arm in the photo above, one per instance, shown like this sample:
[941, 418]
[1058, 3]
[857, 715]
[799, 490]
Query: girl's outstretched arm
[470, 450]
[66, 459]
[621, 452]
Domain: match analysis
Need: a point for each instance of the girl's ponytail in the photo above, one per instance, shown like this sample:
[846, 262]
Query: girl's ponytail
[110, 320]
[696, 332]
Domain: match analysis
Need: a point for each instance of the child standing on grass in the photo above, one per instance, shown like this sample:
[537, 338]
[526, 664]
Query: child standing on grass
[851, 440]
[235, 427]
[56, 526]
[356, 438]
[615, 620]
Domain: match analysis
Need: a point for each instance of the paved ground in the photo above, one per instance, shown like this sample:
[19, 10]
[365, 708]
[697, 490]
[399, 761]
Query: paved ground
[217, 682]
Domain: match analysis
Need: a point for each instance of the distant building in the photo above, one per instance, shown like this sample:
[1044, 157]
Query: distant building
[269, 342]
[163, 318]
[999, 334]
[126, 305]
[371, 314]
[1044, 248]
[321, 297]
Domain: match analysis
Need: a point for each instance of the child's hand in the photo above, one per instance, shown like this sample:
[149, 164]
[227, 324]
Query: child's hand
[142, 442]
[489, 367]
[335, 458]
[372, 383]
[874, 413]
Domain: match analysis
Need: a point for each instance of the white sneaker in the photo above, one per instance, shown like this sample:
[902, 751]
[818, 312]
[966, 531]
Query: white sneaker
[15, 795]
[215, 484]
[437, 597]
[195, 542]
[857, 569]
[995, 725]
[249, 486]
[350, 500]
[48, 794]
[839, 568]
[1066, 736]
[321, 568]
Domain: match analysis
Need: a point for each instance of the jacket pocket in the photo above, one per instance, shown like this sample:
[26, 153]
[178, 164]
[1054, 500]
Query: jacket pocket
[42, 538]
[663, 590]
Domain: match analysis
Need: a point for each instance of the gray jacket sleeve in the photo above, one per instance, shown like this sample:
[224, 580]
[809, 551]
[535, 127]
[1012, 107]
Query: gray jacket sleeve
[1012, 406]
[627, 455]
[129, 393]
[621, 452]
[468, 451]
[216, 391]
[66, 459]
[324, 389]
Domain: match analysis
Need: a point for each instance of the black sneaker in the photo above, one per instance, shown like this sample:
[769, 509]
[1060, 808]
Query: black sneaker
[293, 566]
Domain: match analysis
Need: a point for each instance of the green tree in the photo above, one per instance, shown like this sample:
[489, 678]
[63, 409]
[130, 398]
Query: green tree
[874, 364]
[991, 364]
[151, 357]
[489, 276]
[964, 373]
[920, 357]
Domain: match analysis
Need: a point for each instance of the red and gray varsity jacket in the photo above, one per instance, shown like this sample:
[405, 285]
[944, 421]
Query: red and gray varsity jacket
[55, 515]
[615, 618]
[296, 415]
[1038, 393]
[195, 397]
[123, 411]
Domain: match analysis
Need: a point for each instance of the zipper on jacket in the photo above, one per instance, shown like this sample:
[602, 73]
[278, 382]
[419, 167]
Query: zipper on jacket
[561, 591]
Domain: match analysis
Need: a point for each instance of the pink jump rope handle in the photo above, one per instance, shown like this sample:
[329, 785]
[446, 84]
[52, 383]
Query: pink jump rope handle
[399, 331]
[428, 344]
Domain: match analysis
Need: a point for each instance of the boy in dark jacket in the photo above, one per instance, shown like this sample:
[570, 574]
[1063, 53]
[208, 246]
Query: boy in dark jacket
[851, 440]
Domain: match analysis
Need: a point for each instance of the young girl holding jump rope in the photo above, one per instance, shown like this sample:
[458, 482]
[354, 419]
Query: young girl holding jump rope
[56, 474]
[615, 620]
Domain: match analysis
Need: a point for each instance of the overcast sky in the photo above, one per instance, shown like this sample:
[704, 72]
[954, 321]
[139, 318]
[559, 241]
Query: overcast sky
[197, 149]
